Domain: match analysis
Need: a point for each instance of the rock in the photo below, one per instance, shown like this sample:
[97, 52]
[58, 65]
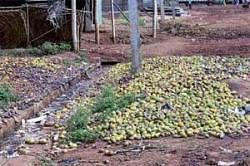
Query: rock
[247, 109]
[36, 120]
[106, 162]
[101, 151]
[56, 137]
[222, 163]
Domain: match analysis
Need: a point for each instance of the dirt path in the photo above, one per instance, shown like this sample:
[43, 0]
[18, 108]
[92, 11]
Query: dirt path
[164, 151]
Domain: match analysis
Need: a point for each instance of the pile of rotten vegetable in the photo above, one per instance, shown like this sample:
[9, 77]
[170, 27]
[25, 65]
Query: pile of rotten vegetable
[178, 96]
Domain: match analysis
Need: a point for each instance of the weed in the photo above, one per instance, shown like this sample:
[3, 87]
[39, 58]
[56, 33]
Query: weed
[78, 126]
[80, 119]
[109, 103]
[6, 95]
[83, 135]
[103, 108]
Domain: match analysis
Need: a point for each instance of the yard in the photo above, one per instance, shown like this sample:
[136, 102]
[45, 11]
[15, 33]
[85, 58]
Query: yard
[188, 106]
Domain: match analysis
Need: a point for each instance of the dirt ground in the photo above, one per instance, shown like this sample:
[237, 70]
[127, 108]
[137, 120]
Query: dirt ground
[165, 151]
[233, 39]
[174, 151]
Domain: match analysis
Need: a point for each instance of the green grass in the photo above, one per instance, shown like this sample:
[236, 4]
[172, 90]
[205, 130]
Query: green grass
[6, 95]
[47, 48]
[104, 107]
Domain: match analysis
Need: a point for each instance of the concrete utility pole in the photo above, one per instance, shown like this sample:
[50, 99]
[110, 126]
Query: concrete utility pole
[155, 18]
[73, 23]
[162, 10]
[134, 35]
[113, 20]
[97, 19]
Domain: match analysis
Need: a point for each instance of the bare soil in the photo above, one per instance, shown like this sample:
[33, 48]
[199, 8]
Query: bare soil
[230, 23]
[164, 151]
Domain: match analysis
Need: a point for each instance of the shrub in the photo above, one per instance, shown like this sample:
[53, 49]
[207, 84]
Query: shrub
[6, 95]
[50, 48]
[64, 47]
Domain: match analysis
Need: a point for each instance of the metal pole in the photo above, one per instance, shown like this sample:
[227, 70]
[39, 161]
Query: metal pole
[74, 26]
[134, 35]
[113, 20]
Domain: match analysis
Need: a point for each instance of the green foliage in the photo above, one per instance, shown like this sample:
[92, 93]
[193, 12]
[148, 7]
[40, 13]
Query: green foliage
[83, 135]
[46, 48]
[109, 103]
[80, 119]
[6, 95]
[104, 107]
[64, 47]
[34, 51]
[50, 48]
[78, 126]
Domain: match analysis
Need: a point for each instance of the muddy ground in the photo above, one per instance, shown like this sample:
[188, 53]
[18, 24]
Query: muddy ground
[165, 151]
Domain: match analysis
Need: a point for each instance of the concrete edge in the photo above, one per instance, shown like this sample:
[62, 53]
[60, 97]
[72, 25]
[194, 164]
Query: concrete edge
[14, 122]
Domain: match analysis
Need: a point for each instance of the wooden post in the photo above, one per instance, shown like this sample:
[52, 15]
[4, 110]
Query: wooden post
[74, 26]
[113, 20]
[173, 8]
[28, 25]
[97, 29]
[155, 18]
[162, 11]
[134, 36]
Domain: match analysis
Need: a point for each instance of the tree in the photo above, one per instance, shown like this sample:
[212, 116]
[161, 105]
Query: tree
[134, 35]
